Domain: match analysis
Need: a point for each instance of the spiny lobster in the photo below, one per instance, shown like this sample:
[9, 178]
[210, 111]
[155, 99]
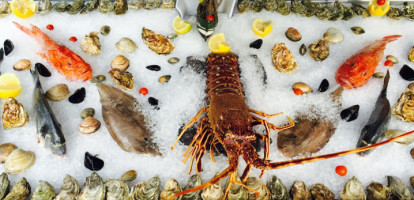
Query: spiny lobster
[229, 122]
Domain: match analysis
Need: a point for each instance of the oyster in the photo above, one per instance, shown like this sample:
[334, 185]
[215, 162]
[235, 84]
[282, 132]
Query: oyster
[297, 7]
[243, 5]
[378, 191]
[129, 175]
[105, 6]
[122, 78]
[94, 189]
[299, 191]
[4, 8]
[19, 161]
[43, 191]
[4, 185]
[76, 6]
[171, 188]
[353, 190]
[90, 44]
[408, 10]
[44, 6]
[213, 192]
[283, 59]
[411, 55]
[310, 11]
[193, 182]
[322, 12]
[404, 108]
[259, 187]
[282, 7]
[395, 132]
[126, 45]
[69, 189]
[321, 192]
[168, 4]
[398, 189]
[20, 191]
[116, 190]
[90, 6]
[348, 12]
[157, 42]
[319, 50]
[360, 10]
[270, 5]
[58, 92]
[277, 190]
[395, 13]
[336, 12]
[136, 4]
[257, 5]
[152, 4]
[412, 181]
[61, 6]
[14, 114]
[148, 190]
[237, 191]
[120, 7]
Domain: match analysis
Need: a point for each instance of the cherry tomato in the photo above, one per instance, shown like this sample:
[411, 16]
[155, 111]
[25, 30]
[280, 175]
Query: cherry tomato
[389, 63]
[50, 27]
[73, 39]
[341, 170]
[143, 91]
[298, 91]
[381, 2]
[210, 18]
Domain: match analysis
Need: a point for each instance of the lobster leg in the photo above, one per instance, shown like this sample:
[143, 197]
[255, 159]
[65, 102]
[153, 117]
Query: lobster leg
[195, 118]
[262, 114]
[274, 127]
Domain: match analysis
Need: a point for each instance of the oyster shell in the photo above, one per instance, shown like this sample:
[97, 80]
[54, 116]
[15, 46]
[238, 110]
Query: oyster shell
[213, 192]
[5, 150]
[395, 13]
[4, 185]
[136, 4]
[61, 6]
[319, 50]
[283, 59]
[129, 176]
[94, 188]
[353, 190]
[120, 7]
[260, 188]
[277, 190]
[122, 78]
[69, 189]
[126, 45]
[378, 191]
[243, 6]
[412, 181]
[148, 190]
[76, 6]
[43, 191]
[310, 11]
[168, 4]
[237, 191]
[20, 191]
[14, 114]
[398, 189]
[408, 10]
[4, 8]
[404, 108]
[360, 10]
[257, 5]
[44, 6]
[283, 7]
[152, 4]
[157, 42]
[58, 92]
[270, 5]
[321, 12]
[193, 182]
[105, 6]
[321, 192]
[90, 6]
[171, 188]
[19, 161]
[90, 44]
[395, 132]
[116, 190]
[297, 7]
[299, 191]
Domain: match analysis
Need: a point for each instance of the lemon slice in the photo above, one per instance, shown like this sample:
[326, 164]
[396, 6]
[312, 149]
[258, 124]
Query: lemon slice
[180, 26]
[9, 86]
[261, 28]
[378, 10]
[217, 44]
[23, 8]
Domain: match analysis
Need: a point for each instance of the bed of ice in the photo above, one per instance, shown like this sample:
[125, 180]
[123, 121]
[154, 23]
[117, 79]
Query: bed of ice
[182, 97]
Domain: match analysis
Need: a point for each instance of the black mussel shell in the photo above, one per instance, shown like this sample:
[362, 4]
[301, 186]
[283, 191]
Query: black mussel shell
[43, 71]
[350, 113]
[154, 67]
[78, 96]
[92, 162]
[1, 54]
[8, 47]
[256, 44]
[323, 86]
[153, 102]
[407, 73]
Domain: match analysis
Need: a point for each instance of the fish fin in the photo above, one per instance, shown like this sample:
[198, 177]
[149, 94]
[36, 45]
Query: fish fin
[391, 38]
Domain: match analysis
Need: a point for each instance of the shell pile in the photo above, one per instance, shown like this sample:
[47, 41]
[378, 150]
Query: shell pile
[404, 109]
[157, 42]
[283, 59]
[14, 114]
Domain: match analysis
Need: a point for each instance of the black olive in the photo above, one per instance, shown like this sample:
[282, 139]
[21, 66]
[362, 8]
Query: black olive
[256, 44]
[154, 67]
[43, 71]
[92, 162]
[323, 86]
[350, 113]
[407, 73]
[8, 47]
[78, 96]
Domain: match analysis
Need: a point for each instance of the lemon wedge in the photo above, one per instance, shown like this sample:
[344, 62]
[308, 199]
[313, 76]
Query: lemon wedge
[378, 10]
[23, 8]
[217, 44]
[261, 28]
[180, 26]
[9, 86]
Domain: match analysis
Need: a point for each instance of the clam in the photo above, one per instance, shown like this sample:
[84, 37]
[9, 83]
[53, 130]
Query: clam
[302, 50]
[193, 182]
[283, 59]
[87, 112]
[378, 75]
[157, 42]
[171, 188]
[237, 191]
[122, 78]
[105, 6]
[120, 7]
[148, 190]
[126, 45]
[353, 190]
[58, 92]
[213, 192]
[4, 185]
[319, 50]
[116, 190]
[105, 30]
[98, 79]
[378, 191]
[277, 189]
[90, 44]
[293, 34]
[321, 192]
[69, 189]
[92, 162]
[173, 60]
[22, 64]
[89, 125]
[259, 187]
[411, 55]
[94, 188]
[43, 191]
[395, 132]
[19, 161]
[305, 88]
[299, 191]
[14, 114]
[78, 96]
[392, 58]
[333, 35]
[357, 30]
[129, 176]
[5, 150]
[120, 62]
[164, 79]
[412, 153]
[20, 191]
[404, 108]
[398, 189]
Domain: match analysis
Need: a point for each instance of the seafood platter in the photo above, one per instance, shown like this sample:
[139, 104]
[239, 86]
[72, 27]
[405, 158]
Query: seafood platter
[209, 99]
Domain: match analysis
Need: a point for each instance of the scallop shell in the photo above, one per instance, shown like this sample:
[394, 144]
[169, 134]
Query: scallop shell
[237, 191]
[90, 44]
[5, 150]
[321, 192]
[193, 182]
[171, 188]
[353, 190]
[277, 189]
[43, 191]
[116, 190]
[283, 59]
[299, 191]
[148, 190]
[378, 191]
[404, 109]
[319, 50]
[157, 42]
[213, 192]
[14, 114]
[126, 45]
[398, 189]
[94, 189]
[260, 188]
[20, 191]
[58, 92]
[4, 185]
[69, 189]
[18, 161]
[395, 132]
[122, 78]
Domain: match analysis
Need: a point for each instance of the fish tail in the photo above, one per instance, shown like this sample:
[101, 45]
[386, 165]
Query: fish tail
[391, 38]
[36, 33]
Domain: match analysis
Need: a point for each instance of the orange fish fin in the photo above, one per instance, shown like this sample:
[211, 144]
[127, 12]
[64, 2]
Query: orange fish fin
[391, 38]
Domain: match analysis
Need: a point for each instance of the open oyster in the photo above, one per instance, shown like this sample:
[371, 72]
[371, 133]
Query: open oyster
[404, 109]
[283, 59]
[157, 42]
[14, 114]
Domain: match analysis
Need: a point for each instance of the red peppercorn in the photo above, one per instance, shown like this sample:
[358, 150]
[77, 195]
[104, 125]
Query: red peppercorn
[381, 2]
[389, 63]
[50, 27]
[73, 39]
[298, 91]
[341, 170]
[210, 18]
[143, 91]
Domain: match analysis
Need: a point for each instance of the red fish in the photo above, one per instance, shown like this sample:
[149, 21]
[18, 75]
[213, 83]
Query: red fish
[356, 71]
[67, 62]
